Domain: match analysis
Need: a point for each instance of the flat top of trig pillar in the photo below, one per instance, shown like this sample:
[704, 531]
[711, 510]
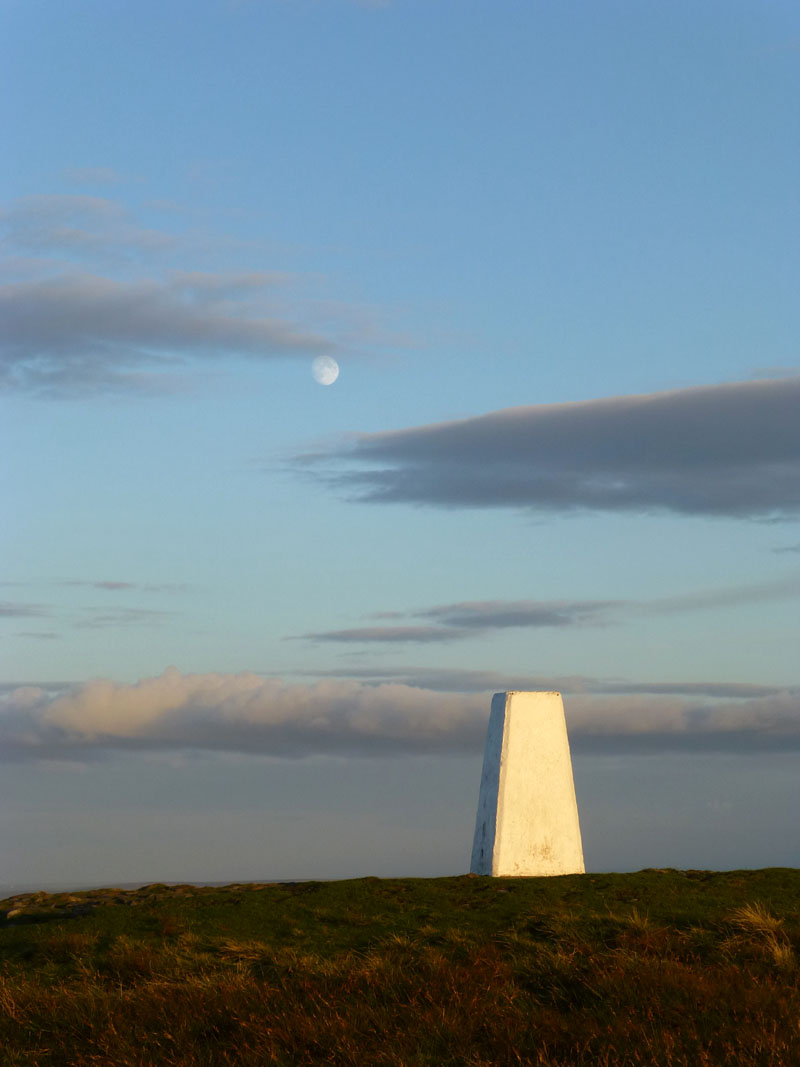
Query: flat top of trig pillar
[532, 692]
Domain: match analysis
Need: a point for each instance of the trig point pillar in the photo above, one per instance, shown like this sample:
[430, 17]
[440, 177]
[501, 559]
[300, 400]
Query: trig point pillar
[527, 820]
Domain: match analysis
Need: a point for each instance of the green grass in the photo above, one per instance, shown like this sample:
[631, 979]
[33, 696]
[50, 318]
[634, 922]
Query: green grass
[660, 967]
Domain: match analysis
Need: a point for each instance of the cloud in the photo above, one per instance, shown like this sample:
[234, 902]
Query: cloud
[78, 226]
[720, 450]
[93, 617]
[787, 548]
[730, 690]
[50, 687]
[113, 586]
[775, 372]
[85, 334]
[214, 288]
[783, 588]
[93, 176]
[647, 723]
[457, 621]
[248, 713]
[468, 618]
[238, 713]
[499, 614]
[390, 634]
[86, 310]
[458, 679]
[462, 680]
[9, 610]
[102, 618]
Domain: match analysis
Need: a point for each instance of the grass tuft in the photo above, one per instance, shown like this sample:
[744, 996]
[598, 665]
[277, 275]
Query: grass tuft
[755, 919]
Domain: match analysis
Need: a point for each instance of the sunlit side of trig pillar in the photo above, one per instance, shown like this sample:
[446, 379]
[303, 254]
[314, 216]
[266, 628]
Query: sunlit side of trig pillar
[527, 820]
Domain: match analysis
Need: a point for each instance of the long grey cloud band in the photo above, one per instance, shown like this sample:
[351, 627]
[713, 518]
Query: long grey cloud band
[726, 450]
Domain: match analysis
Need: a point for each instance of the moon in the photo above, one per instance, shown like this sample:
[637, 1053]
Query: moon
[325, 370]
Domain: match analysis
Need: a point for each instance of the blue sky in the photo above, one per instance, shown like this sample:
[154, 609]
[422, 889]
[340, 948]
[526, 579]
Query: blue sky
[250, 625]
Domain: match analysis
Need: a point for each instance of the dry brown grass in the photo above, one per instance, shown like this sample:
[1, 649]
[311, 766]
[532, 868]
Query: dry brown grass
[535, 984]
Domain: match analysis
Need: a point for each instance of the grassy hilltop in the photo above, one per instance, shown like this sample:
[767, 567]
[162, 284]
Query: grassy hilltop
[660, 967]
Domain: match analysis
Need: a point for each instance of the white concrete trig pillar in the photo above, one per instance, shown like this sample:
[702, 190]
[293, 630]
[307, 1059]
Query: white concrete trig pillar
[527, 821]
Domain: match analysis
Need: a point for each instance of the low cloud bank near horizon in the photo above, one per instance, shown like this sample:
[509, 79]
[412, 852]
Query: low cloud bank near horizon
[464, 680]
[246, 713]
[718, 450]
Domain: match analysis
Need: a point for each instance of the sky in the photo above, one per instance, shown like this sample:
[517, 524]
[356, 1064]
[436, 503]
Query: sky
[250, 624]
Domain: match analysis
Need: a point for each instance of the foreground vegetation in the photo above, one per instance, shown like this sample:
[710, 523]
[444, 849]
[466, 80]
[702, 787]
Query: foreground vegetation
[660, 967]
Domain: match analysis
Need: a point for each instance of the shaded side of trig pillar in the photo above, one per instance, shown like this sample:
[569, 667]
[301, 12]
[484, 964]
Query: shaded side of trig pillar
[527, 820]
